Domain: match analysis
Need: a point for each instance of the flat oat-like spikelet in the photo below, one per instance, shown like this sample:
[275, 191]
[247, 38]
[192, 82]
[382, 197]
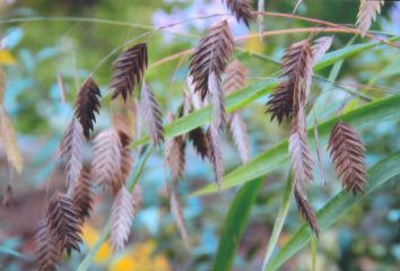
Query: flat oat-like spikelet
[122, 213]
[63, 223]
[151, 114]
[71, 151]
[320, 47]
[211, 56]
[128, 70]
[82, 194]
[305, 209]
[47, 256]
[107, 159]
[174, 155]
[87, 105]
[297, 69]
[176, 210]
[126, 161]
[240, 137]
[215, 153]
[348, 151]
[299, 149]
[217, 99]
[199, 141]
[367, 13]
[242, 9]
[235, 77]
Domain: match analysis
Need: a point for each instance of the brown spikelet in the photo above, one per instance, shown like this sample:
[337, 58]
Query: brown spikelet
[320, 47]
[240, 137]
[347, 151]
[176, 210]
[87, 105]
[122, 213]
[235, 76]
[367, 13]
[128, 71]
[242, 9]
[151, 114]
[174, 155]
[107, 159]
[200, 142]
[126, 161]
[217, 99]
[299, 149]
[215, 154]
[211, 56]
[297, 70]
[71, 150]
[47, 256]
[82, 194]
[305, 209]
[63, 223]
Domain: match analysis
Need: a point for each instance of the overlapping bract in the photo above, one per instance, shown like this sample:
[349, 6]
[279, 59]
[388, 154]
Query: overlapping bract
[367, 13]
[347, 151]
[87, 105]
[242, 9]
[128, 71]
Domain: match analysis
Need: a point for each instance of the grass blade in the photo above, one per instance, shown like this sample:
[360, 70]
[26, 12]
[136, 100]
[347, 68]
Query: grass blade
[280, 219]
[337, 207]
[234, 225]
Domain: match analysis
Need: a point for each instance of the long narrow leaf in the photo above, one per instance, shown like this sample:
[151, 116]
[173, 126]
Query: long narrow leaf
[235, 223]
[275, 157]
[280, 219]
[337, 207]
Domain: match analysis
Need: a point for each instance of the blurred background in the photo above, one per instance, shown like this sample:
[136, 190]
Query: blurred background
[83, 36]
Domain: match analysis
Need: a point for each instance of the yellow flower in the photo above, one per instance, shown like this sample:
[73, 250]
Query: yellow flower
[6, 57]
[90, 237]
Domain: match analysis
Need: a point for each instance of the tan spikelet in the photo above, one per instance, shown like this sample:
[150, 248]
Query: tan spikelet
[305, 209]
[242, 9]
[9, 141]
[126, 161]
[235, 76]
[348, 151]
[122, 213]
[151, 114]
[240, 137]
[71, 151]
[215, 153]
[299, 149]
[174, 155]
[320, 47]
[63, 223]
[367, 13]
[176, 210]
[107, 159]
[217, 99]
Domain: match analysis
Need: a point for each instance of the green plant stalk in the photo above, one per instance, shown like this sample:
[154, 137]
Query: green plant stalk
[235, 224]
[379, 174]
[280, 219]
[87, 261]
[277, 156]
